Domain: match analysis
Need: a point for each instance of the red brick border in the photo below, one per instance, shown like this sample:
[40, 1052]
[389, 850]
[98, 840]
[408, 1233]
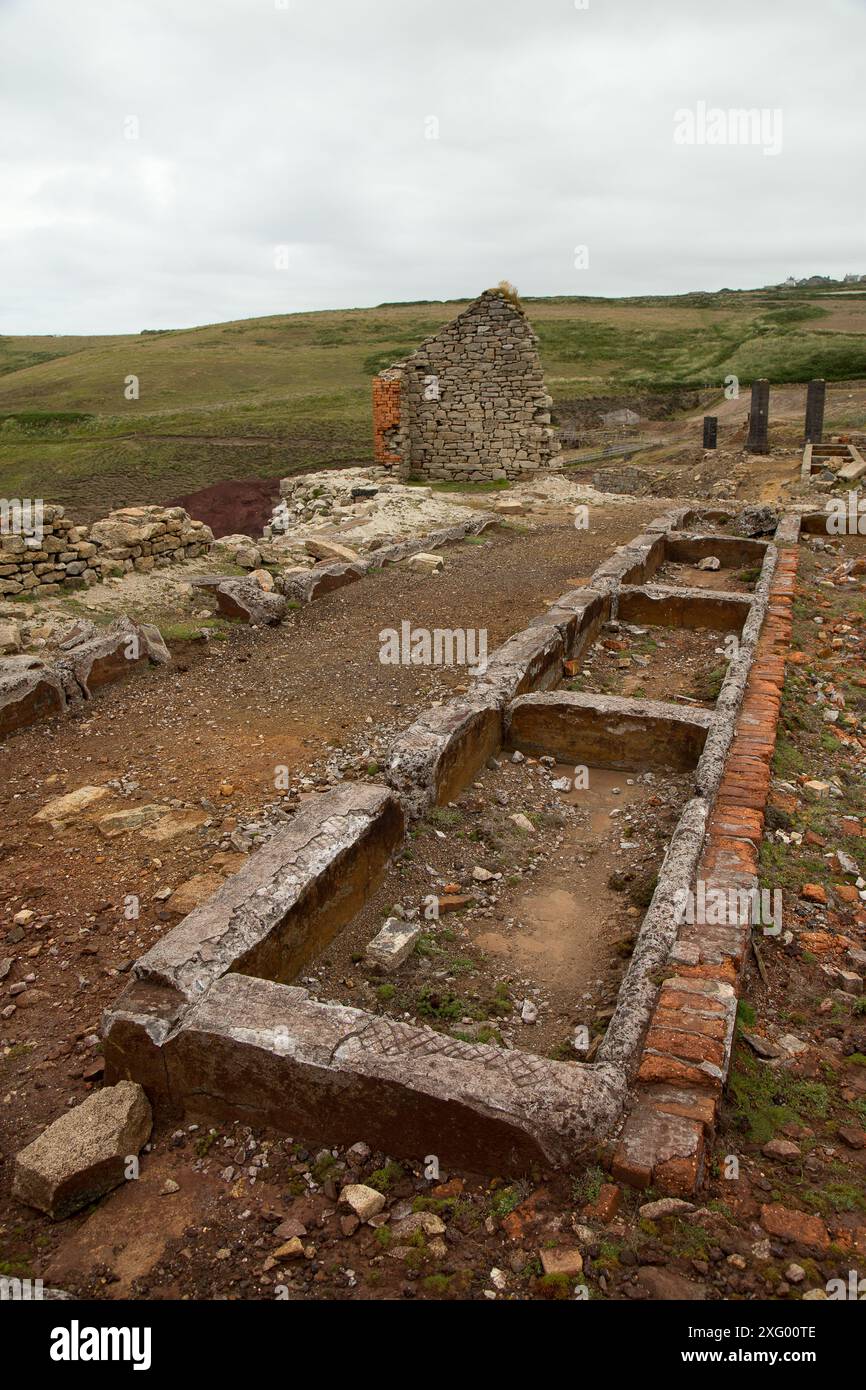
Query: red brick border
[386, 416]
[687, 1049]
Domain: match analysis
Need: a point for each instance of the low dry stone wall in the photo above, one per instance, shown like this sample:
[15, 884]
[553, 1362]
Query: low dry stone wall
[67, 555]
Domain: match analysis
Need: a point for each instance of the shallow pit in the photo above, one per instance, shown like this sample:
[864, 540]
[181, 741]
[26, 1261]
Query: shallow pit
[555, 925]
[653, 663]
[740, 579]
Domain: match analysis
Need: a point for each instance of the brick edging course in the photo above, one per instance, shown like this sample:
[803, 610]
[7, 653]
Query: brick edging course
[687, 1048]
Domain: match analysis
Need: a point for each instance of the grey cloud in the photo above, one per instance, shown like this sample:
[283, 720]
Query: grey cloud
[305, 126]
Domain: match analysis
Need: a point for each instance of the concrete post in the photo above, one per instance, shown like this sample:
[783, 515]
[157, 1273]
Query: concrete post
[759, 416]
[815, 397]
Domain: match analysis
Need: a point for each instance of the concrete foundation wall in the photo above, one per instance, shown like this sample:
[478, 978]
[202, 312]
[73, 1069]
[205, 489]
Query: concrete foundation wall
[607, 731]
[210, 1038]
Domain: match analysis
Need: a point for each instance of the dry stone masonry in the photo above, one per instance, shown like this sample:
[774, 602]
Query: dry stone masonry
[67, 555]
[470, 403]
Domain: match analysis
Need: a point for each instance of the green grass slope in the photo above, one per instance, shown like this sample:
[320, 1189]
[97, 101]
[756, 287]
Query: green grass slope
[269, 396]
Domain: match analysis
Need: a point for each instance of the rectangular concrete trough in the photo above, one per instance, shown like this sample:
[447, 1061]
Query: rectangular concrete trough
[608, 731]
[687, 547]
[664, 605]
[442, 751]
[289, 899]
[213, 1028]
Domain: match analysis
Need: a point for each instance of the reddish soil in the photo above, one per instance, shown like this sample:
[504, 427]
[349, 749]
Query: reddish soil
[224, 715]
[240, 508]
[213, 727]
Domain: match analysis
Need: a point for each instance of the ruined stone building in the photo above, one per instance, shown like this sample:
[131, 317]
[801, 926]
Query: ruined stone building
[470, 403]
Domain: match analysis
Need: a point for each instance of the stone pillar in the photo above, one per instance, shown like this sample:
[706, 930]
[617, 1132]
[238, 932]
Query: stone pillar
[711, 431]
[815, 396]
[759, 416]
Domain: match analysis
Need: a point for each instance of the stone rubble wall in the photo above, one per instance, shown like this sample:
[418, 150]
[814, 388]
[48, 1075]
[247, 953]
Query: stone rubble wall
[68, 555]
[470, 403]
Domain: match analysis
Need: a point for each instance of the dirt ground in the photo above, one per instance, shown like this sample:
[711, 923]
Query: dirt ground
[679, 465]
[652, 663]
[232, 1213]
[236, 508]
[546, 914]
[208, 734]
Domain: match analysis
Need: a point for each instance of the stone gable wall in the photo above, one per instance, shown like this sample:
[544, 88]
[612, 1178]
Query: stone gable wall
[472, 401]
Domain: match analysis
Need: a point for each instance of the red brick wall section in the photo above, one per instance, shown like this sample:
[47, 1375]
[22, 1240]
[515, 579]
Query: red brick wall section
[687, 1049]
[386, 416]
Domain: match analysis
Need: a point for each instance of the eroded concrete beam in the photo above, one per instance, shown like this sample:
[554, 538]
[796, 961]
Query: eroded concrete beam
[289, 899]
[608, 731]
[578, 616]
[432, 761]
[665, 605]
[278, 1058]
[636, 562]
[29, 690]
[32, 689]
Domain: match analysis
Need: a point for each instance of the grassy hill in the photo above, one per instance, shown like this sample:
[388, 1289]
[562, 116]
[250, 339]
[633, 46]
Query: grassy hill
[268, 396]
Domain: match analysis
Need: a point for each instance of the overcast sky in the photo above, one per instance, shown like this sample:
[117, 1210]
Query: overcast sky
[313, 154]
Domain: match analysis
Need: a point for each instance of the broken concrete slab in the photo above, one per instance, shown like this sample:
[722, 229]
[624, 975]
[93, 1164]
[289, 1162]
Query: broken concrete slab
[122, 822]
[113, 654]
[192, 892]
[322, 549]
[305, 586]
[85, 1153]
[176, 823]
[391, 946]
[289, 899]
[425, 563]
[248, 601]
[63, 808]
[29, 690]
